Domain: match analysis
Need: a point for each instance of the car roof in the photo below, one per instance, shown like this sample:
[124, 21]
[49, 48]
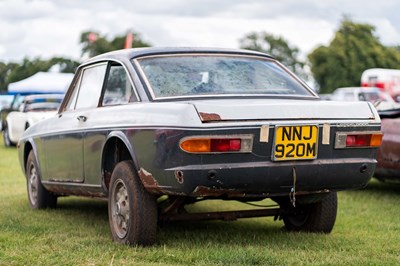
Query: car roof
[147, 51]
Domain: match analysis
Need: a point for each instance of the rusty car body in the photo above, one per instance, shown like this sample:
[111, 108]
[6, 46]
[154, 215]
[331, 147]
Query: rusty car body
[180, 125]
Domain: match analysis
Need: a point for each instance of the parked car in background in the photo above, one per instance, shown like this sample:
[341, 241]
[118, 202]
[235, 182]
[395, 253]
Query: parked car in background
[13, 106]
[385, 105]
[386, 80]
[155, 129]
[5, 102]
[388, 168]
[370, 94]
[32, 109]
[388, 156]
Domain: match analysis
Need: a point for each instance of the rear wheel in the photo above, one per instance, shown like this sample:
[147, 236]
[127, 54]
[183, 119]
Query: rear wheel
[38, 196]
[132, 211]
[316, 217]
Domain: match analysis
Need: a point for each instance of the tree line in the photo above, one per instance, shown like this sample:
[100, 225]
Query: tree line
[354, 48]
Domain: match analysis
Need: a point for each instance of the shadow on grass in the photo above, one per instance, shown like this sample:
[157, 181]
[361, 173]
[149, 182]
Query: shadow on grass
[257, 232]
[378, 187]
[242, 232]
[82, 207]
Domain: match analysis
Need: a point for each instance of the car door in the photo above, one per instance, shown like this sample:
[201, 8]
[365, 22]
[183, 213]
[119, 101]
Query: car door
[64, 154]
[117, 90]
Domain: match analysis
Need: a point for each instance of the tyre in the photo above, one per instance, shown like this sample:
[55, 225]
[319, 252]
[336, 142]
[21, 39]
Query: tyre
[132, 211]
[38, 196]
[6, 138]
[316, 217]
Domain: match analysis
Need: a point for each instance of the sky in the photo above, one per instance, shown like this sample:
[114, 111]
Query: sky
[49, 28]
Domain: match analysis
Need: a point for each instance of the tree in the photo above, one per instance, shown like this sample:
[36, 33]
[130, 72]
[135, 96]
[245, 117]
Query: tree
[13, 72]
[27, 69]
[354, 49]
[5, 70]
[65, 65]
[275, 46]
[93, 43]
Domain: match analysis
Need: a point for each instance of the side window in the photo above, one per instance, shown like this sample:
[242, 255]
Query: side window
[90, 86]
[72, 99]
[118, 89]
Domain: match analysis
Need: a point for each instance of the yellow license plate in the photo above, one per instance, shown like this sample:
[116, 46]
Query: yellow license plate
[295, 143]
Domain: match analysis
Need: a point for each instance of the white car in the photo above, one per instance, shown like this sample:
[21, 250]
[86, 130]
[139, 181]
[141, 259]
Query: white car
[383, 102]
[33, 109]
[370, 94]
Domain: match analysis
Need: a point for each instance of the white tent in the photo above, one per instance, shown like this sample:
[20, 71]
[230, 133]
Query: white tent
[42, 82]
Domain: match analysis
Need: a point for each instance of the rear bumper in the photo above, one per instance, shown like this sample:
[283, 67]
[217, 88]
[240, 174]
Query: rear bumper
[261, 179]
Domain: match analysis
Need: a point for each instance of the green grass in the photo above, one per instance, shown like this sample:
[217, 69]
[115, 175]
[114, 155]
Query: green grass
[367, 232]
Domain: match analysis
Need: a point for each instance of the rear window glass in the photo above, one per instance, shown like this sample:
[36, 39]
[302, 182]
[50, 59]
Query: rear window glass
[200, 75]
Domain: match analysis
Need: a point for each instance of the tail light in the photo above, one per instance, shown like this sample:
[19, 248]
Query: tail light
[217, 144]
[358, 139]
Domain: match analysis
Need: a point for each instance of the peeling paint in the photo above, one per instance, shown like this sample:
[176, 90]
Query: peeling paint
[205, 117]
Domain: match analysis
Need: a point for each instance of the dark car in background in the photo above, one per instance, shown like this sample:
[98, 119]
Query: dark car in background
[155, 129]
[388, 156]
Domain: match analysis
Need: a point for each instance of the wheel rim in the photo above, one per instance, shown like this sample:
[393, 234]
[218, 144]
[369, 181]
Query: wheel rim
[120, 209]
[33, 184]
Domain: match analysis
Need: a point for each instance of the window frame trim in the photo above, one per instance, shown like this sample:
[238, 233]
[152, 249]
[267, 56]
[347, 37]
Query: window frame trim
[76, 84]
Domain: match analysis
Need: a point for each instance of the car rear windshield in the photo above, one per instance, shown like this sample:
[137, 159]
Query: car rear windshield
[203, 75]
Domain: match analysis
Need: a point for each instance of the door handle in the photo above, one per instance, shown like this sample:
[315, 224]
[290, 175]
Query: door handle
[82, 118]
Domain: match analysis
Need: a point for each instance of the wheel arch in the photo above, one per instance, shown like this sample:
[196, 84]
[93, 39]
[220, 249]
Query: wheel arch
[29, 146]
[29, 122]
[117, 148]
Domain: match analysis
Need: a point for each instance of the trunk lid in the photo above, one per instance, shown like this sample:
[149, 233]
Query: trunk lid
[277, 109]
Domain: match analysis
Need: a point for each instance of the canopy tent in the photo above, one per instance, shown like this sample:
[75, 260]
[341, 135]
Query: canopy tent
[42, 82]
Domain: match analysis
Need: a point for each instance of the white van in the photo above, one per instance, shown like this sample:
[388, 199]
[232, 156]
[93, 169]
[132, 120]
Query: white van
[387, 80]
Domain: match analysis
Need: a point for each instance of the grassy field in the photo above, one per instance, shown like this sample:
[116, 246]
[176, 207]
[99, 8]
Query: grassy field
[367, 232]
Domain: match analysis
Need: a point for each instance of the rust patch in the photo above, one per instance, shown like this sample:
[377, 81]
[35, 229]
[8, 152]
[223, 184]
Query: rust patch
[202, 191]
[149, 182]
[179, 177]
[209, 117]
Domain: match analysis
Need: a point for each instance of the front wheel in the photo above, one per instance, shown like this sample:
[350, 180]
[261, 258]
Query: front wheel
[6, 138]
[316, 217]
[132, 211]
[38, 196]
